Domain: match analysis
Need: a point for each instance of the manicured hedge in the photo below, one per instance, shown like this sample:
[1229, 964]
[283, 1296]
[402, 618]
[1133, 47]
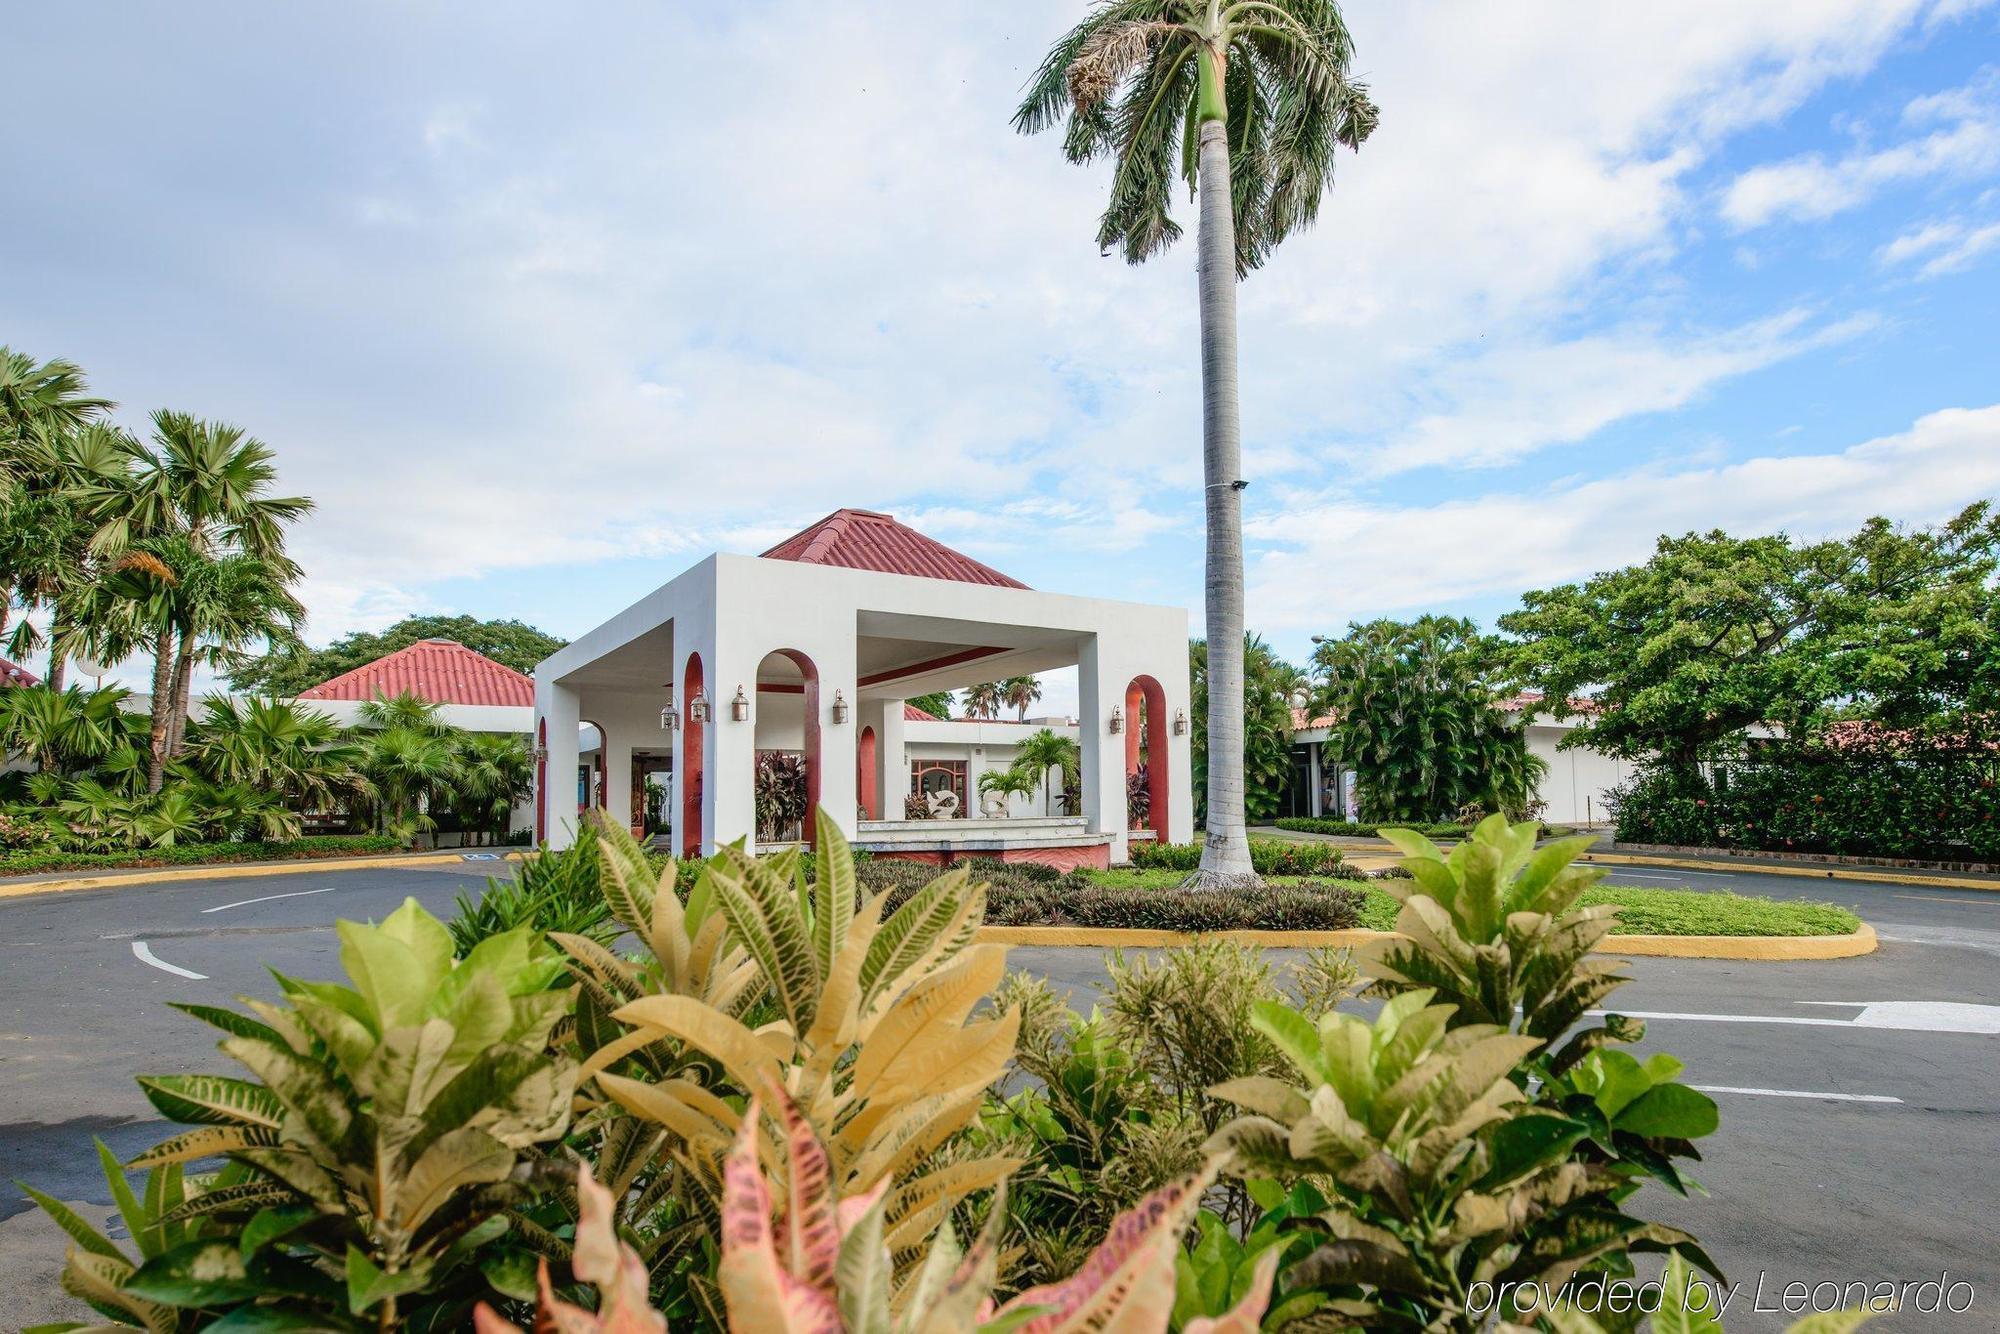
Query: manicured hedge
[1939, 802]
[1270, 856]
[1026, 895]
[1352, 829]
[198, 854]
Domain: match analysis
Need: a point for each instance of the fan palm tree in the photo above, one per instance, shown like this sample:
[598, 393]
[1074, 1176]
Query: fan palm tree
[59, 731]
[983, 701]
[1019, 692]
[1247, 101]
[199, 491]
[495, 770]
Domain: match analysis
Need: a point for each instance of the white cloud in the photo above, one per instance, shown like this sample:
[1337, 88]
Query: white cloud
[1516, 399]
[1336, 560]
[1950, 245]
[504, 297]
[1810, 187]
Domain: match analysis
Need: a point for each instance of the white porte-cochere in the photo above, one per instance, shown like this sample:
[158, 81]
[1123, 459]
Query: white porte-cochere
[810, 651]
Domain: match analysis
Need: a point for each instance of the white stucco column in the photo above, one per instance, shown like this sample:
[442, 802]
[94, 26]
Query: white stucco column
[892, 758]
[618, 771]
[1100, 688]
[556, 724]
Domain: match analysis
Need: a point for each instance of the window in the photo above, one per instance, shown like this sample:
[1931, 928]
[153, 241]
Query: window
[928, 776]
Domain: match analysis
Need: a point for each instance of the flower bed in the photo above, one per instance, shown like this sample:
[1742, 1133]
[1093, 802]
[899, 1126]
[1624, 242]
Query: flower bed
[198, 854]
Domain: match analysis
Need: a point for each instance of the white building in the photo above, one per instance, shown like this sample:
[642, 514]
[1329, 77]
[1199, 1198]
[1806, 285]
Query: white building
[811, 649]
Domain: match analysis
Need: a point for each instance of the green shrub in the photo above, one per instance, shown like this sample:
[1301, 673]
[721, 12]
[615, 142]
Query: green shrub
[1017, 899]
[1300, 824]
[1875, 795]
[1269, 856]
[198, 854]
[557, 892]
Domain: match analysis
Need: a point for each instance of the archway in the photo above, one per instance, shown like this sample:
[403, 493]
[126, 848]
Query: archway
[692, 729]
[781, 672]
[1146, 749]
[866, 790]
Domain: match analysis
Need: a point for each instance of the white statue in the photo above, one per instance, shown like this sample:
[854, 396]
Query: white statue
[943, 803]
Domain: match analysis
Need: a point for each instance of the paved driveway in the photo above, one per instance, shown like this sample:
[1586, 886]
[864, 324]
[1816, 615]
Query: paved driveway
[1860, 1133]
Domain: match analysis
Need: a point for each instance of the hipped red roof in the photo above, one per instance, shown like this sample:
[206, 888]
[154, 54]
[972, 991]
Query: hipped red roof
[441, 671]
[864, 540]
[913, 714]
[13, 674]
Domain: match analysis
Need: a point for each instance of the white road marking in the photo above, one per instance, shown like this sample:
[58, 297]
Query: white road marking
[244, 903]
[1934, 898]
[1639, 875]
[146, 956]
[1907, 1016]
[1796, 1093]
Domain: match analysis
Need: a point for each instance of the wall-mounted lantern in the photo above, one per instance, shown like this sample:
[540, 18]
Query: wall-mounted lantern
[739, 708]
[698, 709]
[1117, 719]
[839, 709]
[1180, 722]
[670, 717]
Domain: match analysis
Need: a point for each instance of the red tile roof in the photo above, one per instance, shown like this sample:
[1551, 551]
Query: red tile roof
[913, 714]
[13, 674]
[442, 671]
[864, 540]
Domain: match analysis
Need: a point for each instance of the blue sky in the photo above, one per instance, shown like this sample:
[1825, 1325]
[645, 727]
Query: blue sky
[542, 304]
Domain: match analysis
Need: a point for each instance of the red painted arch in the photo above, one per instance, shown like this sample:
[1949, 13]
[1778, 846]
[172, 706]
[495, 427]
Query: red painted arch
[692, 731]
[865, 791]
[809, 672]
[1152, 742]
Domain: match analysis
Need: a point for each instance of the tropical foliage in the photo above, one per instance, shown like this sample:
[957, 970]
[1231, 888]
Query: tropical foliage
[373, 1150]
[1269, 684]
[783, 1109]
[249, 770]
[1412, 708]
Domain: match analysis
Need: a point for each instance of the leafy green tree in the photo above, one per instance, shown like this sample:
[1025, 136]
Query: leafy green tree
[1246, 101]
[299, 668]
[1413, 712]
[1715, 633]
[1268, 684]
[937, 704]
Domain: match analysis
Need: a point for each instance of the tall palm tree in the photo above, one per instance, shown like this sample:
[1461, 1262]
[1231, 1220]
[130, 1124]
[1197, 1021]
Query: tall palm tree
[1247, 100]
[983, 701]
[198, 496]
[1019, 692]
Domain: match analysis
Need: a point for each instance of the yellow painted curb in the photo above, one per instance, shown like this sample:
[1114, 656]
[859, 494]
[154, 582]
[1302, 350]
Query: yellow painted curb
[1770, 949]
[110, 879]
[1882, 877]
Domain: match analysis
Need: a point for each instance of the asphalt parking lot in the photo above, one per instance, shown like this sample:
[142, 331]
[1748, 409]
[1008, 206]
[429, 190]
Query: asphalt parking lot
[1861, 1112]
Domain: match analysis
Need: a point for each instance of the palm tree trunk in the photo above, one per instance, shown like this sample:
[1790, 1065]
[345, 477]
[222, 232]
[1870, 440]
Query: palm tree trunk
[183, 695]
[1225, 856]
[162, 706]
[58, 660]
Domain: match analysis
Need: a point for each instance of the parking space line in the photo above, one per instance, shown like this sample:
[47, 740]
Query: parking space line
[146, 955]
[244, 903]
[1796, 1093]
